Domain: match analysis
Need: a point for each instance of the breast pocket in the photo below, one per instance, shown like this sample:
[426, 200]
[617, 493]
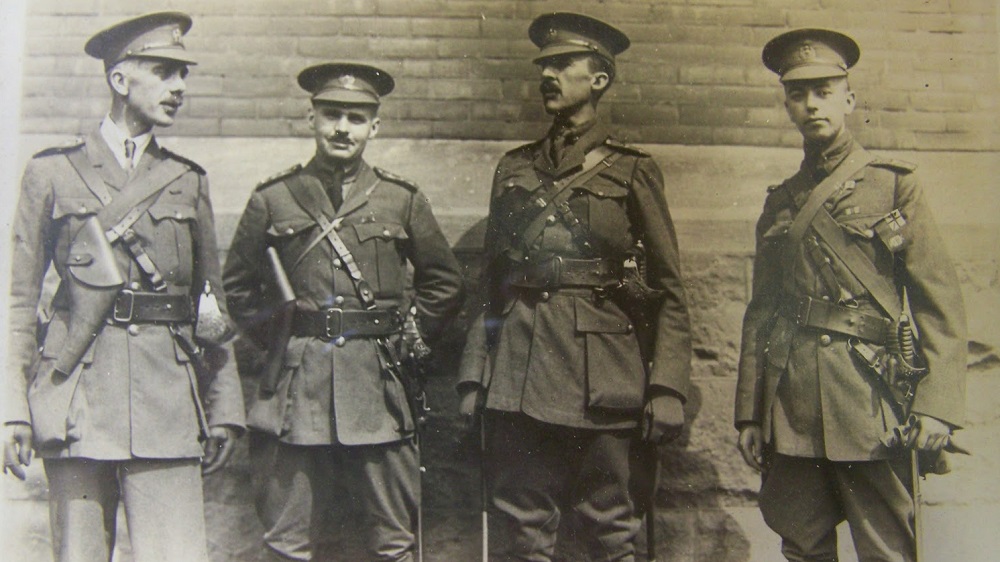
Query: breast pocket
[616, 379]
[381, 256]
[171, 244]
[606, 212]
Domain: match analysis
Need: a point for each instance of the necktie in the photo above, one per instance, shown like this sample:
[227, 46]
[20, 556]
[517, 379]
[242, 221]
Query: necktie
[335, 187]
[129, 155]
[558, 148]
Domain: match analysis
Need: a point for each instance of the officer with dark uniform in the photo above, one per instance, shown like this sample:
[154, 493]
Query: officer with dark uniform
[829, 360]
[563, 369]
[131, 397]
[334, 425]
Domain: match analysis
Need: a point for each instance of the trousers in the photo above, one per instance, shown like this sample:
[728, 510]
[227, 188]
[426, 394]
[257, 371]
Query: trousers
[804, 499]
[538, 471]
[164, 509]
[309, 495]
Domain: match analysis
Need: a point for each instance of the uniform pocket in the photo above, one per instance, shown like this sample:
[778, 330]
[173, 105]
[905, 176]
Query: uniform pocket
[170, 246]
[616, 379]
[381, 245]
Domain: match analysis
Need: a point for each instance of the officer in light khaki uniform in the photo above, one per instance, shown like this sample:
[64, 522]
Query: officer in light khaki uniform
[561, 360]
[827, 348]
[130, 398]
[333, 424]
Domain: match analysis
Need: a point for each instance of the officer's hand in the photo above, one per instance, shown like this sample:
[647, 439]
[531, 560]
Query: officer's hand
[932, 434]
[218, 448]
[751, 444]
[470, 405]
[16, 449]
[664, 419]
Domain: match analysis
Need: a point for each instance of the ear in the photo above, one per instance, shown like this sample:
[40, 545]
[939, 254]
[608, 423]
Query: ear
[118, 81]
[311, 118]
[852, 102]
[374, 127]
[599, 81]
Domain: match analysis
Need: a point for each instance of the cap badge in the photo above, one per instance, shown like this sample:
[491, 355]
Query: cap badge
[176, 35]
[806, 52]
[347, 81]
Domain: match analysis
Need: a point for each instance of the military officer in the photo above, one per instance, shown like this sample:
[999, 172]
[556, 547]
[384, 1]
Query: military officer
[128, 399]
[335, 425]
[825, 344]
[566, 378]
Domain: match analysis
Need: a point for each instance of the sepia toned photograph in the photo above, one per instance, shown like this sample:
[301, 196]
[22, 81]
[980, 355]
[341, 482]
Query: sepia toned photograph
[500, 280]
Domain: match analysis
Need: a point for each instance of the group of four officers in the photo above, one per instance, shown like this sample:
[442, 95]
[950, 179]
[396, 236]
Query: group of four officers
[122, 380]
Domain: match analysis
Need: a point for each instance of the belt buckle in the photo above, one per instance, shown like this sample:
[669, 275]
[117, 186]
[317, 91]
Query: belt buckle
[803, 310]
[116, 314]
[555, 271]
[331, 314]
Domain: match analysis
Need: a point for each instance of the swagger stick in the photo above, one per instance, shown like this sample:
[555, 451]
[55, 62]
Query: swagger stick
[484, 493]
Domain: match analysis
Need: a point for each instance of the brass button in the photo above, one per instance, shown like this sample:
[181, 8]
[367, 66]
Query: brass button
[339, 342]
[133, 329]
[551, 219]
[601, 193]
[849, 184]
[82, 209]
[339, 299]
[545, 295]
[289, 230]
[336, 226]
[337, 263]
[385, 232]
[629, 328]
[178, 215]
[825, 340]
[135, 286]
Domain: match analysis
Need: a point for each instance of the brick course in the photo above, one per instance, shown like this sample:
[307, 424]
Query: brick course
[928, 72]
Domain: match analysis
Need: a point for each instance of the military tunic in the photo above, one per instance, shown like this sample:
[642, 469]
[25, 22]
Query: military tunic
[135, 393]
[822, 420]
[567, 379]
[801, 384]
[337, 432]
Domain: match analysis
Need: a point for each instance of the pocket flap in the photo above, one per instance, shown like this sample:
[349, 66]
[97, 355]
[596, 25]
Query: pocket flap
[387, 231]
[607, 319]
[604, 188]
[777, 230]
[290, 226]
[162, 211]
[77, 206]
[79, 259]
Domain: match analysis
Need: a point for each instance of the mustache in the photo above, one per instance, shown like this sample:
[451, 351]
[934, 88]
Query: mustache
[549, 87]
[341, 138]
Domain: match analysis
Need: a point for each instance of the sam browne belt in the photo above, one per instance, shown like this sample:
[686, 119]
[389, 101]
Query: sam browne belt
[333, 323]
[132, 307]
[557, 272]
[815, 313]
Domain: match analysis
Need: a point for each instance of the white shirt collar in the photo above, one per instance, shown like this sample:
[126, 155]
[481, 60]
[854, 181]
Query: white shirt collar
[116, 137]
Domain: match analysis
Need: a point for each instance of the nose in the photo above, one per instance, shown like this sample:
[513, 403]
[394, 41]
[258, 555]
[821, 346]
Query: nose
[811, 99]
[342, 124]
[177, 84]
[548, 71]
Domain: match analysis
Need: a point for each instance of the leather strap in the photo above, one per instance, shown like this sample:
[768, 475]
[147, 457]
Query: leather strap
[814, 313]
[308, 201]
[554, 200]
[132, 307]
[858, 263]
[561, 272]
[855, 162]
[123, 211]
[334, 323]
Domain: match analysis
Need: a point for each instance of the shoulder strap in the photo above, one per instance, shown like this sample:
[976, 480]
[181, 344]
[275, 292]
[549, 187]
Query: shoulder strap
[561, 191]
[854, 163]
[121, 212]
[858, 263]
[307, 199]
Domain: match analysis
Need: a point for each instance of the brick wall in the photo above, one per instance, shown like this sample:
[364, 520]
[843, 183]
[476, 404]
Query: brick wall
[928, 76]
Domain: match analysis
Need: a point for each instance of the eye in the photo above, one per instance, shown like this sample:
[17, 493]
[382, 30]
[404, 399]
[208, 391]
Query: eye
[357, 118]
